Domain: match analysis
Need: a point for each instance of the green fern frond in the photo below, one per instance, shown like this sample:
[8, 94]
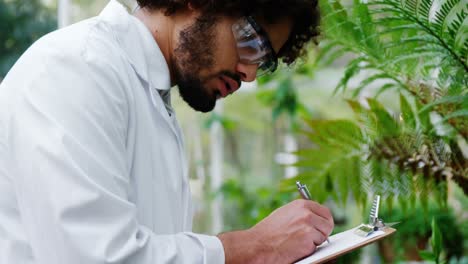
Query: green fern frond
[325, 49]
[366, 82]
[430, 158]
[326, 133]
[397, 54]
[412, 56]
[442, 14]
[455, 28]
[408, 116]
[456, 23]
[435, 29]
[425, 39]
[420, 50]
[365, 26]
[387, 87]
[448, 100]
[435, 48]
[366, 119]
[334, 55]
[352, 70]
[391, 30]
[425, 9]
[463, 113]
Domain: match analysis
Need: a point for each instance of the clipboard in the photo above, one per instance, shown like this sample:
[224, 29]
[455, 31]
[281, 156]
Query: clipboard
[352, 239]
[343, 243]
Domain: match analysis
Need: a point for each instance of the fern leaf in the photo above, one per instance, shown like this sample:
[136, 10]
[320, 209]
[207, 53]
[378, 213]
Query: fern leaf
[410, 40]
[458, 99]
[370, 80]
[335, 132]
[463, 113]
[334, 55]
[365, 118]
[386, 20]
[454, 29]
[407, 114]
[424, 120]
[412, 57]
[431, 47]
[352, 70]
[335, 14]
[365, 25]
[412, 6]
[387, 124]
[425, 9]
[391, 30]
[386, 87]
[442, 14]
[325, 48]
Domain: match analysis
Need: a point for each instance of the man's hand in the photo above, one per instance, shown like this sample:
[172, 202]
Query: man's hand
[289, 233]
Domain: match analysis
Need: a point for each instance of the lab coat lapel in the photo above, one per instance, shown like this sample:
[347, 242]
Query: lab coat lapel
[143, 53]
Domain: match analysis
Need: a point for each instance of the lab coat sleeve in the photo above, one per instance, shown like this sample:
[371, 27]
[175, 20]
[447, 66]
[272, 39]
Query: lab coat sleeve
[68, 150]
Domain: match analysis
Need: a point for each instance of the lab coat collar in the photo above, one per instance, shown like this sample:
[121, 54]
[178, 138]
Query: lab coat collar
[139, 45]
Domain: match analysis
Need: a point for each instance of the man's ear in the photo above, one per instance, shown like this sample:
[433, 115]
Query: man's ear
[190, 6]
[192, 9]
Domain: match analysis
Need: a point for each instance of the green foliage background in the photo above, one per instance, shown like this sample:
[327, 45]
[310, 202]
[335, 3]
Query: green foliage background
[21, 23]
[409, 153]
[411, 52]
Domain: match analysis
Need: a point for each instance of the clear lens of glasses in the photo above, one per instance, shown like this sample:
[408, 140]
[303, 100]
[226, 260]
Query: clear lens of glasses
[253, 48]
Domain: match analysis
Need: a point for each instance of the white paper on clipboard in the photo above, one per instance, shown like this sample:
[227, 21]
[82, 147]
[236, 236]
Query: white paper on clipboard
[339, 243]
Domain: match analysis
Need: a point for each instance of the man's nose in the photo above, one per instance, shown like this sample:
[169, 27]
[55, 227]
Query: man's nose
[248, 72]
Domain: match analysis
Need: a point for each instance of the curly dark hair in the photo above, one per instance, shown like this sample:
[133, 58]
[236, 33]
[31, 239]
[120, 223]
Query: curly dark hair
[305, 15]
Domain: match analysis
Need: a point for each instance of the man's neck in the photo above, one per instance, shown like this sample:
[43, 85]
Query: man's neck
[162, 28]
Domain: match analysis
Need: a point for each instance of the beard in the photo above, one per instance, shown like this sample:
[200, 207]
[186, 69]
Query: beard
[195, 51]
[193, 54]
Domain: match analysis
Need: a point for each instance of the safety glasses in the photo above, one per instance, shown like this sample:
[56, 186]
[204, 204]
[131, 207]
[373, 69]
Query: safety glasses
[253, 45]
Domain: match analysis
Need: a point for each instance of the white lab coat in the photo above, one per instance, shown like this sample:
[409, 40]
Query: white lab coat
[92, 166]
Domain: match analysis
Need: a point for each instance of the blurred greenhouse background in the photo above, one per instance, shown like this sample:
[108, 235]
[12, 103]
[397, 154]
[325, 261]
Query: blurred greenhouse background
[380, 106]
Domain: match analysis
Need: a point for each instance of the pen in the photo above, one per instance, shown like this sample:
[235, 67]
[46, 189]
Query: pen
[305, 194]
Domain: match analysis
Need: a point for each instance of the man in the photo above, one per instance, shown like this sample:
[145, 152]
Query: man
[91, 156]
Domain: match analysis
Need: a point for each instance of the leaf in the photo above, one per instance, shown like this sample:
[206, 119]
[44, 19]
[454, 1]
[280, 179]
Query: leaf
[442, 13]
[386, 123]
[329, 134]
[365, 25]
[427, 255]
[436, 239]
[410, 40]
[411, 56]
[457, 99]
[391, 30]
[365, 117]
[328, 52]
[334, 55]
[352, 69]
[407, 113]
[386, 87]
[335, 22]
[425, 8]
[424, 119]
[369, 80]
[456, 114]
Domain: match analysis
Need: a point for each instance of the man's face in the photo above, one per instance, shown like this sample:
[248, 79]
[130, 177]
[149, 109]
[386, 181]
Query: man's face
[206, 60]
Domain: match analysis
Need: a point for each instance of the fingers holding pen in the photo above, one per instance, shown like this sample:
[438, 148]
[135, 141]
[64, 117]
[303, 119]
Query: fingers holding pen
[317, 216]
[316, 208]
[292, 231]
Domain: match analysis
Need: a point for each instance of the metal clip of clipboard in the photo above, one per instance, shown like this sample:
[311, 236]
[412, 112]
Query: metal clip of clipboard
[375, 223]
